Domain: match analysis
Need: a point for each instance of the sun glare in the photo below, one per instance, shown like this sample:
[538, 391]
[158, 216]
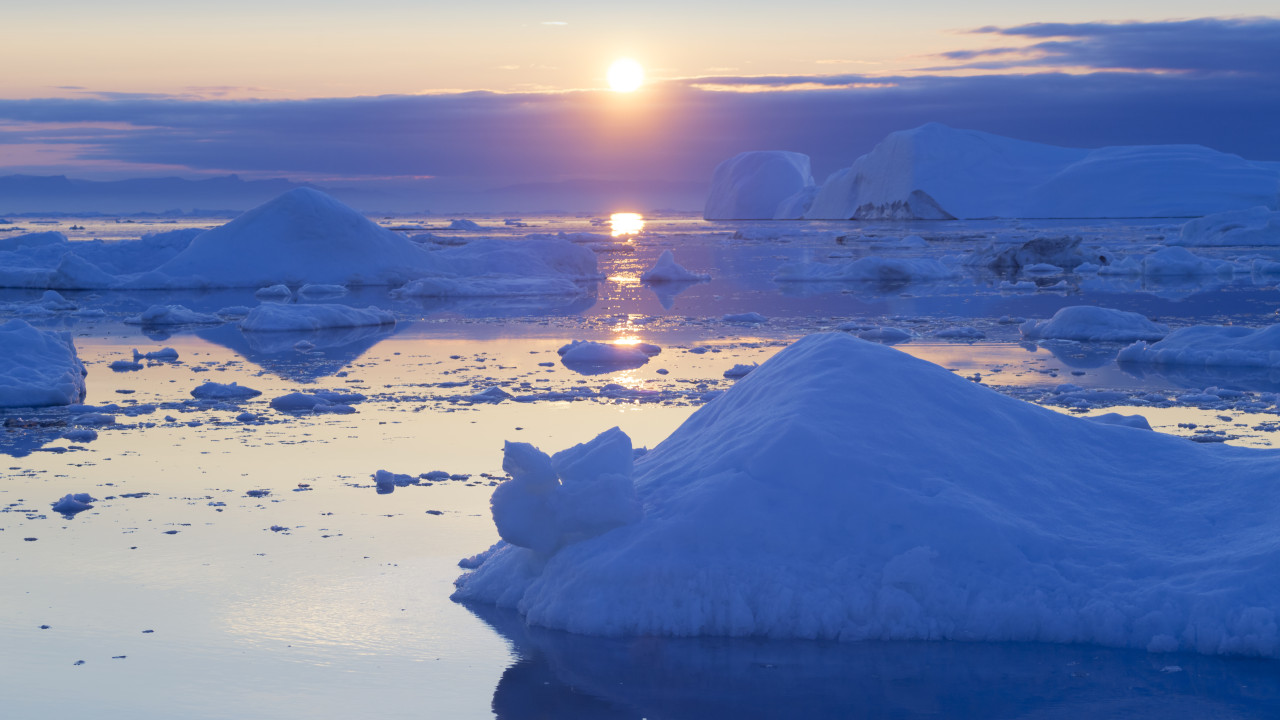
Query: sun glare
[626, 223]
[625, 75]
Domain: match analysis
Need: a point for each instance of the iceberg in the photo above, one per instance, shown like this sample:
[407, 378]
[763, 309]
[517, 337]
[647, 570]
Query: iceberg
[38, 368]
[1206, 346]
[845, 490]
[1251, 226]
[1087, 323]
[935, 172]
[755, 185]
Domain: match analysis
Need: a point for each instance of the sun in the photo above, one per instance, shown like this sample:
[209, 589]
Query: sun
[625, 75]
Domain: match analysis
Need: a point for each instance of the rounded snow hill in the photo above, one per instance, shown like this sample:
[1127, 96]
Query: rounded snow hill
[1087, 323]
[752, 185]
[845, 490]
[302, 237]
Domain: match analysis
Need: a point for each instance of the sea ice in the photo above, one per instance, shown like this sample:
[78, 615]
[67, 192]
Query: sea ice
[73, 503]
[220, 391]
[872, 268]
[157, 315]
[1087, 323]
[845, 490]
[275, 317]
[667, 270]
[591, 358]
[38, 368]
[1248, 226]
[1210, 346]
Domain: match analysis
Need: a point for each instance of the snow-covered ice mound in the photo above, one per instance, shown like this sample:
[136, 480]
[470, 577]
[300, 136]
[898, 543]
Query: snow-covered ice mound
[846, 490]
[1210, 346]
[667, 270]
[1250, 226]
[934, 172]
[274, 317]
[1087, 323]
[754, 185]
[38, 368]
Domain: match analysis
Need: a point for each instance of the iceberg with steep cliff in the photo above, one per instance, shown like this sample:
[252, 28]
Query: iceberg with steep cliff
[935, 172]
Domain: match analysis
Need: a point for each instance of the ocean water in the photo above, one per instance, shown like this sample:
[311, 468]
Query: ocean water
[188, 592]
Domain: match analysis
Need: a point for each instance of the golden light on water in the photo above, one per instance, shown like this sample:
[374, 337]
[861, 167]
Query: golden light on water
[626, 223]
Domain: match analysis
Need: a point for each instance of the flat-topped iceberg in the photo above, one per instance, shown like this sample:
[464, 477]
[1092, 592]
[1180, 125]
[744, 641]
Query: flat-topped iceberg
[845, 490]
[755, 185]
[38, 368]
[934, 172]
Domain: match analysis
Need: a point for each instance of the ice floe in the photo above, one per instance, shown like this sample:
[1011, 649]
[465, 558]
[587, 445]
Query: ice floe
[1210, 346]
[1088, 323]
[1248, 226]
[667, 270]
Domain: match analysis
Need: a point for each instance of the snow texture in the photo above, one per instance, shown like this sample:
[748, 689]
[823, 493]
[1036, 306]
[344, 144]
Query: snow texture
[934, 172]
[38, 368]
[1087, 323]
[667, 270]
[759, 185]
[274, 317]
[845, 490]
[1210, 346]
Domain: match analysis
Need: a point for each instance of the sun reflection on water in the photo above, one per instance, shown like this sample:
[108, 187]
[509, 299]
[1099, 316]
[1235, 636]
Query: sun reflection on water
[626, 223]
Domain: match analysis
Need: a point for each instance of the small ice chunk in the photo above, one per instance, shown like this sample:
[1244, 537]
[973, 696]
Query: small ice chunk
[667, 270]
[73, 503]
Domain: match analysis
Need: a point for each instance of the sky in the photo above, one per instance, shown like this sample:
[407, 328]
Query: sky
[468, 97]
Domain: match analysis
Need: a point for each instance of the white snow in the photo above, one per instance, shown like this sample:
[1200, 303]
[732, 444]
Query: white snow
[759, 185]
[934, 172]
[1088, 323]
[1210, 346]
[667, 270]
[38, 368]
[871, 268]
[274, 317]
[845, 490]
[1249, 226]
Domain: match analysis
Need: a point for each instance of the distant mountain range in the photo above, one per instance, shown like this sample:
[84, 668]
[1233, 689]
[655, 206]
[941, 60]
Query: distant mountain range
[58, 194]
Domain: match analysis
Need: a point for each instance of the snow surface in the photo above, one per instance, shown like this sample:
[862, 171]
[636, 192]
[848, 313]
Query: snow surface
[1210, 346]
[934, 172]
[274, 317]
[1087, 323]
[1250, 226]
[755, 185]
[38, 368]
[667, 270]
[845, 490]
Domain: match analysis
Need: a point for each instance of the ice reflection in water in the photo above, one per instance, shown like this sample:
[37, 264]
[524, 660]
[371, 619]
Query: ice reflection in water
[589, 677]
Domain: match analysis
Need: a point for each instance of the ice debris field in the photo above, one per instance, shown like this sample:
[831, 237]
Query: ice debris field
[1014, 433]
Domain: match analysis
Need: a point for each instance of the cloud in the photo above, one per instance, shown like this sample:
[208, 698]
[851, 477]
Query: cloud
[1205, 45]
[680, 130]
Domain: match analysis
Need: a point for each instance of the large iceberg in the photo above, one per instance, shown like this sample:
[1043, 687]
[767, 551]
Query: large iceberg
[934, 172]
[845, 490]
[303, 237]
[755, 185]
[1250, 226]
[38, 368]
